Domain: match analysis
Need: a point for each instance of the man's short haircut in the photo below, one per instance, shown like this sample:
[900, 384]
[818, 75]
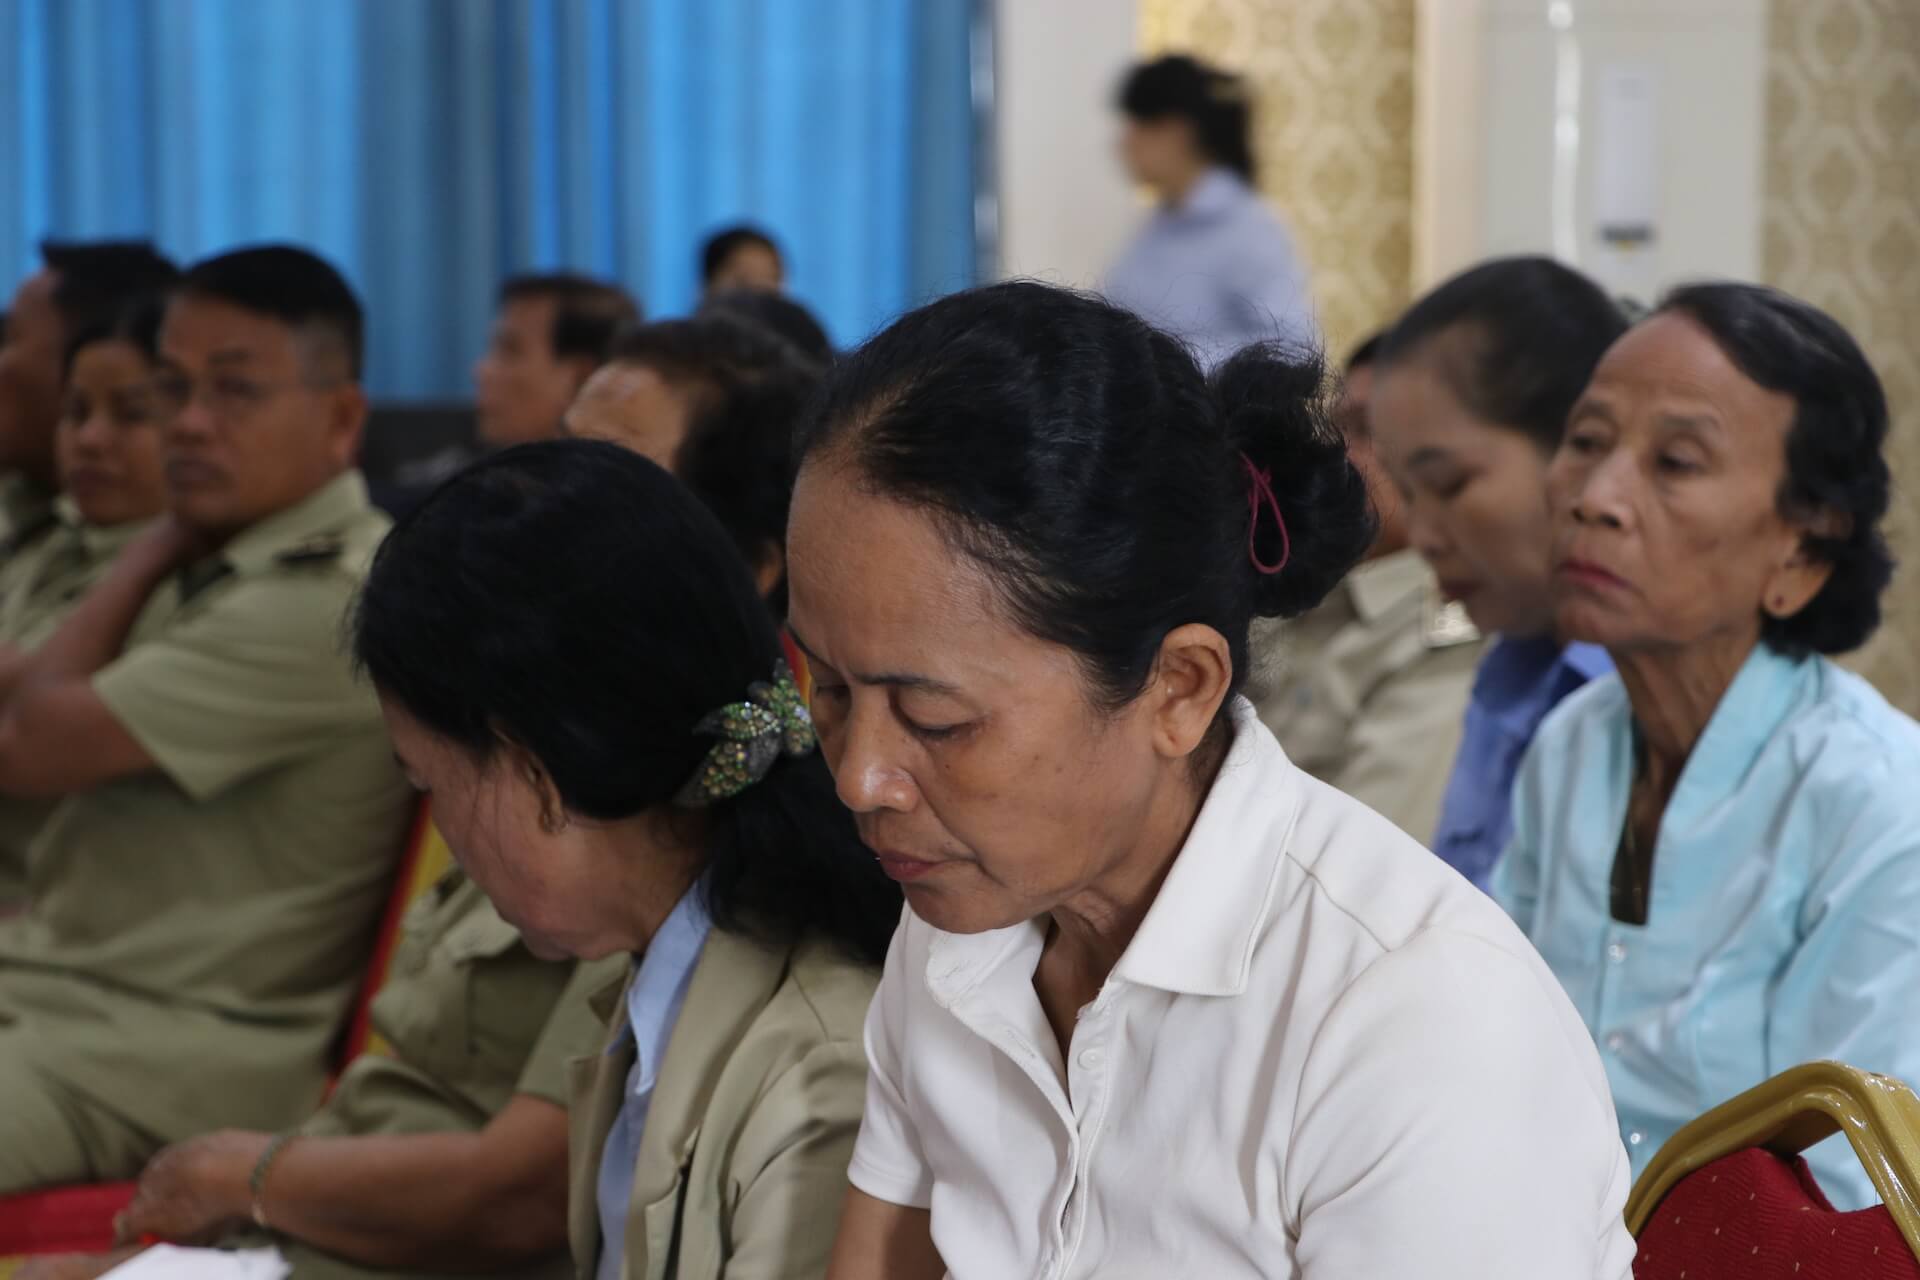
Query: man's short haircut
[290, 285]
[95, 280]
[587, 313]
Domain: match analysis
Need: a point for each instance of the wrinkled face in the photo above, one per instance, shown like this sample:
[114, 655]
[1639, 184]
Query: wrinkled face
[631, 405]
[1667, 528]
[259, 416]
[108, 444]
[751, 266]
[551, 886]
[30, 375]
[523, 388]
[976, 767]
[1473, 495]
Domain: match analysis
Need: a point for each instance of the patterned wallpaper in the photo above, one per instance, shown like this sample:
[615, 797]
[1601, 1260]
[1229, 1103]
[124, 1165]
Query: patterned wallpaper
[1334, 124]
[1842, 230]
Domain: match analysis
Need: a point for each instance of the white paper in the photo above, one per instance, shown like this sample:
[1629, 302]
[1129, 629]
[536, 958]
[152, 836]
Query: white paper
[170, 1262]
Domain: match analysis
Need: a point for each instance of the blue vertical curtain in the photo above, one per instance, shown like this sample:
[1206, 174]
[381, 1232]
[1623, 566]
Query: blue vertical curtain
[431, 147]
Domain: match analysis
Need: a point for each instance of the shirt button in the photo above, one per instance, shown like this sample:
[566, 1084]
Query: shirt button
[1092, 1058]
[1616, 951]
[1635, 1138]
[1616, 1042]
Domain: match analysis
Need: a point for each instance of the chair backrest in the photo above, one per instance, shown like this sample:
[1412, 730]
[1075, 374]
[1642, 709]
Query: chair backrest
[1729, 1196]
[421, 863]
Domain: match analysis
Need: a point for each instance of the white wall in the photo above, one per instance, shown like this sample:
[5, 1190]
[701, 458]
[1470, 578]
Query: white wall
[1525, 182]
[1065, 206]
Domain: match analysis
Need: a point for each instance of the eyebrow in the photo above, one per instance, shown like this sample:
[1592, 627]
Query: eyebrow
[232, 355]
[889, 680]
[1704, 423]
[1429, 456]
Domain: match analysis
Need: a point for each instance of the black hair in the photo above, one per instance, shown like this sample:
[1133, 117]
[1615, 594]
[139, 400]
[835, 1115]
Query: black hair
[571, 597]
[1835, 452]
[727, 241]
[779, 314]
[587, 313]
[1214, 102]
[289, 284]
[1529, 333]
[1082, 459]
[1366, 352]
[138, 325]
[95, 280]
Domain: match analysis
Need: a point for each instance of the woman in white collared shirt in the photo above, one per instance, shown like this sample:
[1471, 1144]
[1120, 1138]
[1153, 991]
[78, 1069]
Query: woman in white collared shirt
[1161, 1004]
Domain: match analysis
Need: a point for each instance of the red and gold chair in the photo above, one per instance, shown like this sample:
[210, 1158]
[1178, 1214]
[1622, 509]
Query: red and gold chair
[1730, 1196]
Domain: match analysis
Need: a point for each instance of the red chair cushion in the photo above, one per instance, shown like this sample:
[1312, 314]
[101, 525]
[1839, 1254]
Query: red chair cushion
[63, 1219]
[1755, 1216]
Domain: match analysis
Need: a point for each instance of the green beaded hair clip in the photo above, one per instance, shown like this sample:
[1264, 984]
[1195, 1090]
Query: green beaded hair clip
[772, 722]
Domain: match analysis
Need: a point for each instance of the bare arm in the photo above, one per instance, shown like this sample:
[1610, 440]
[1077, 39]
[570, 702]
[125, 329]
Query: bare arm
[881, 1241]
[56, 735]
[451, 1201]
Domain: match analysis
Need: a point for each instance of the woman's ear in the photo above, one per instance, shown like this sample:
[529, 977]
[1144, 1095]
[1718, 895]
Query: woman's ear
[526, 767]
[1190, 681]
[769, 567]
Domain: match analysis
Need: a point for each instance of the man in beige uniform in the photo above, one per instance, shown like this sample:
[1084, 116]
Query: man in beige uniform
[203, 897]
[1368, 691]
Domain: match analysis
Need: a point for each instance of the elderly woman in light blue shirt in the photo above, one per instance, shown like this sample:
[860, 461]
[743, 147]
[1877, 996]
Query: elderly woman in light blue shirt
[1717, 850]
[1213, 266]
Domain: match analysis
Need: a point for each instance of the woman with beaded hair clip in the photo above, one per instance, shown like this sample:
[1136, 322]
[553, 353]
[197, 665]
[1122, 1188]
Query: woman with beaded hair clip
[574, 661]
[1161, 1003]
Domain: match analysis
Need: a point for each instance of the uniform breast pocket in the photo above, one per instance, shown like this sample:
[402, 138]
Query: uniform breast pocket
[507, 995]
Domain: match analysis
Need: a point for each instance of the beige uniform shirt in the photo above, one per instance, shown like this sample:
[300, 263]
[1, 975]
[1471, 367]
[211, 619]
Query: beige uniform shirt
[38, 586]
[1368, 692]
[196, 932]
[743, 1161]
[473, 1018]
[25, 511]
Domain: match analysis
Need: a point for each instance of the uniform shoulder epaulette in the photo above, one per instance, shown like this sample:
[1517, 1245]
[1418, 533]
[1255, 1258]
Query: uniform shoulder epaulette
[322, 548]
[1446, 625]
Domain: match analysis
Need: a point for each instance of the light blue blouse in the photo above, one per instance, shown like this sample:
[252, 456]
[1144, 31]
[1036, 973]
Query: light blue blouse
[654, 998]
[1217, 271]
[1784, 916]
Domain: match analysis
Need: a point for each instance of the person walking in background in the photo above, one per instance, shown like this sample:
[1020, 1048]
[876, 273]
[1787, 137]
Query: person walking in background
[1213, 266]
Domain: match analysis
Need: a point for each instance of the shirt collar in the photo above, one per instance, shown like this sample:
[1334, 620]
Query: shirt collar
[327, 510]
[1378, 585]
[99, 541]
[1747, 718]
[1523, 678]
[661, 977]
[1198, 936]
[1218, 191]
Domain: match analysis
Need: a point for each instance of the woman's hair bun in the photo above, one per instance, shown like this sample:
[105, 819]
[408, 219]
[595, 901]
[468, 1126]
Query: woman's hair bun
[1273, 407]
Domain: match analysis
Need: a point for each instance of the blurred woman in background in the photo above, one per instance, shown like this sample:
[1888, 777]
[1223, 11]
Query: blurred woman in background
[1213, 266]
[1470, 397]
[1718, 851]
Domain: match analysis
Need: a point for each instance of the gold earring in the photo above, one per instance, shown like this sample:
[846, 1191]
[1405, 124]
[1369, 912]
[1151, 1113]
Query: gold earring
[550, 822]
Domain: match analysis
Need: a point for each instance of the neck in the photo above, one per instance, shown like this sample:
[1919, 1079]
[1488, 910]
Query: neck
[1674, 693]
[1179, 186]
[656, 858]
[1096, 925]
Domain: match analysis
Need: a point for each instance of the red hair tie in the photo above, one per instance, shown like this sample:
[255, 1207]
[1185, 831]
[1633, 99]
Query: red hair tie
[1259, 489]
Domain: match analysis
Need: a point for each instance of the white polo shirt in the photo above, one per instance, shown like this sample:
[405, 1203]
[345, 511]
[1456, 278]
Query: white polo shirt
[1324, 1054]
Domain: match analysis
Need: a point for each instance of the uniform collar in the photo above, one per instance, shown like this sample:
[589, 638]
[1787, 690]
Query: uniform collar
[99, 541]
[1378, 586]
[325, 511]
[1198, 936]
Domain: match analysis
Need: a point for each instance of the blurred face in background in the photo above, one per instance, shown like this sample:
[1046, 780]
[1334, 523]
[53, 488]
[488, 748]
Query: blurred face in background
[108, 444]
[1473, 494]
[1351, 413]
[750, 266]
[523, 386]
[30, 354]
[261, 415]
[634, 406]
[1161, 154]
